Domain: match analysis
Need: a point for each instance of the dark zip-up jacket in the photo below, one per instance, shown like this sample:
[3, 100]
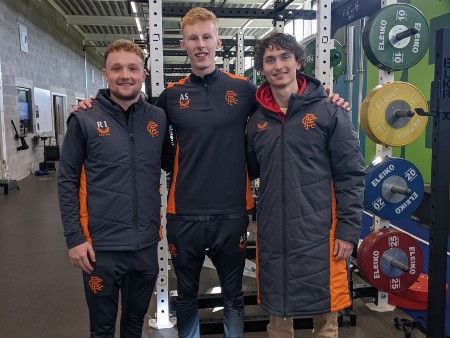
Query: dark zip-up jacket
[209, 116]
[311, 192]
[109, 175]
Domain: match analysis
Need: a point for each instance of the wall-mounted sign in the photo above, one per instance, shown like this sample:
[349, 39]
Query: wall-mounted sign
[23, 36]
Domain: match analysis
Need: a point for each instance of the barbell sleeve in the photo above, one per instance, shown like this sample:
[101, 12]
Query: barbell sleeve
[404, 113]
[407, 33]
[401, 190]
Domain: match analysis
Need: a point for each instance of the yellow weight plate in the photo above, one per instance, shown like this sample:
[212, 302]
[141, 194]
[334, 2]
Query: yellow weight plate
[380, 114]
[363, 115]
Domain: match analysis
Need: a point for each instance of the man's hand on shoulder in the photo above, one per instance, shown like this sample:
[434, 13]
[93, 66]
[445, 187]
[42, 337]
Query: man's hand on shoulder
[85, 104]
[337, 100]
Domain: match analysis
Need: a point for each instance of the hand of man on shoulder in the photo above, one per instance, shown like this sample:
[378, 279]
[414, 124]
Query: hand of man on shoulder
[80, 255]
[337, 100]
[85, 104]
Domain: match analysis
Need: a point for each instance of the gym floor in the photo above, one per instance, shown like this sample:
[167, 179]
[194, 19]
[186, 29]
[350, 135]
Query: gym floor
[43, 295]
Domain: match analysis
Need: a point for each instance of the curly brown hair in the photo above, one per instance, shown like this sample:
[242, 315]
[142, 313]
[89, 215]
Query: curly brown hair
[125, 45]
[279, 41]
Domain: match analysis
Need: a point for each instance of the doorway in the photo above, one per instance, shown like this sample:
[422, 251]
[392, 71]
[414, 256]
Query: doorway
[59, 114]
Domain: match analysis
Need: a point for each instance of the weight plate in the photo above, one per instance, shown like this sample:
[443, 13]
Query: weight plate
[383, 45]
[363, 117]
[406, 303]
[383, 250]
[249, 74]
[379, 111]
[360, 251]
[338, 59]
[310, 58]
[418, 291]
[382, 182]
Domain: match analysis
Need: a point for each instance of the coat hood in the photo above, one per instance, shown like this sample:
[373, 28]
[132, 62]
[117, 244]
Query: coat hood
[310, 90]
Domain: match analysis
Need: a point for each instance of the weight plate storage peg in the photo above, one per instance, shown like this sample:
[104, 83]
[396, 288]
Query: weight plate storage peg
[338, 60]
[396, 37]
[388, 114]
[390, 260]
[393, 188]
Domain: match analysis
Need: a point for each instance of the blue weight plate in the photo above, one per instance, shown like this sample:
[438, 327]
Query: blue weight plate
[378, 195]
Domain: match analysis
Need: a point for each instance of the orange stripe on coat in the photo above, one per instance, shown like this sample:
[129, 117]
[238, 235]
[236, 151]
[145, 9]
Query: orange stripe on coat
[235, 76]
[257, 263]
[179, 82]
[339, 292]
[160, 231]
[171, 201]
[84, 215]
[248, 195]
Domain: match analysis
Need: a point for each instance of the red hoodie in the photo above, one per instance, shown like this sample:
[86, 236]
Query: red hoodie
[265, 97]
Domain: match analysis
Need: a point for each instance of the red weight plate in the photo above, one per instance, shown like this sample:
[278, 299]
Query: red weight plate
[359, 254]
[419, 290]
[371, 260]
[362, 251]
[393, 299]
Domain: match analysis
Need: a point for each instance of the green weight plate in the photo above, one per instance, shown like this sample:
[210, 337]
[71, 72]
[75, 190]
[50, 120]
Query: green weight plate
[383, 42]
[310, 58]
[335, 57]
[338, 59]
[249, 74]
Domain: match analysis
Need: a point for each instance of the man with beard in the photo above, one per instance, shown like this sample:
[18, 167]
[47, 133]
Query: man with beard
[109, 194]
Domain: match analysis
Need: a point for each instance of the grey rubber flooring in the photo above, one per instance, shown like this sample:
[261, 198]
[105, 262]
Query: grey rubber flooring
[42, 295]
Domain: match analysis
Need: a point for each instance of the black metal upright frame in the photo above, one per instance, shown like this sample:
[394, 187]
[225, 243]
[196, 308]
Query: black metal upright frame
[440, 174]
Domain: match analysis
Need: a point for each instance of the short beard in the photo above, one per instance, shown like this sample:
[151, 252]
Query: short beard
[121, 97]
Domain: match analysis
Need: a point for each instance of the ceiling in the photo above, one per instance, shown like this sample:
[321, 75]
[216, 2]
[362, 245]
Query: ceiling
[103, 21]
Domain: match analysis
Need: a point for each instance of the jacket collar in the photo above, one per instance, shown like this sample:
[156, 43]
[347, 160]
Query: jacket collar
[265, 97]
[207, 79]
[310, 90]
[104, 100]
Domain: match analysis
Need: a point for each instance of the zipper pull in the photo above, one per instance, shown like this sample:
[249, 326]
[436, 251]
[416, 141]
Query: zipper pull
[131, 137]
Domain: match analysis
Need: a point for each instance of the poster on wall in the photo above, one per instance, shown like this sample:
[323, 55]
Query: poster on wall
[43, 111]
[23, 36]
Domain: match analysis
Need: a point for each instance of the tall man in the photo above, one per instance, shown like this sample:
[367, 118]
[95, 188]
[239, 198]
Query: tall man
[210, 196]
[109, 194]
[307, 155]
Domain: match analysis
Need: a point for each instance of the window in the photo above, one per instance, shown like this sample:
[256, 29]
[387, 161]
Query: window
[25, 116]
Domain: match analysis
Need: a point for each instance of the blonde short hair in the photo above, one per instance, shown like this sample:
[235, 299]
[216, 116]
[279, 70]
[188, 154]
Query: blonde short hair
[125, 45]
[198, 14]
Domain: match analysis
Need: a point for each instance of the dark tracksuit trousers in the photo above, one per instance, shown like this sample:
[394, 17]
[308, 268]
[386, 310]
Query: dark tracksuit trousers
[222, 239]
[134, 274]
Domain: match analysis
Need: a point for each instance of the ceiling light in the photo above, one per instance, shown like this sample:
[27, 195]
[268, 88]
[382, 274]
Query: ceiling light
[138, 24]
[133, 7]
[247, 24]
[266, 4]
